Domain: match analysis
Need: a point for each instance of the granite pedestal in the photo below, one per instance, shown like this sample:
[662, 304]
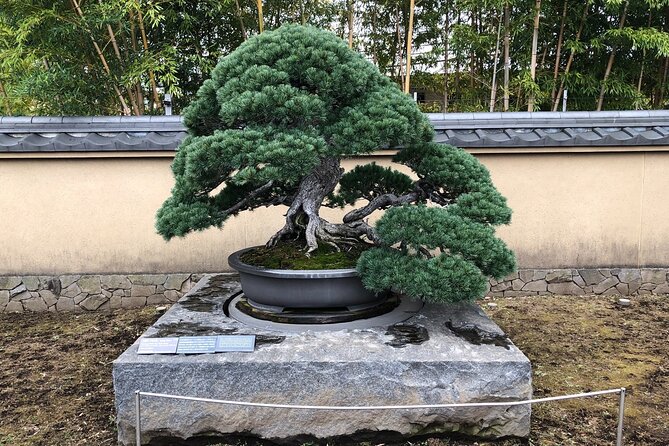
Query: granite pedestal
[442, 354]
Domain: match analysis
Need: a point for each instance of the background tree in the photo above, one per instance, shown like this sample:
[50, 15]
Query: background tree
[271, 127]
[49, 63]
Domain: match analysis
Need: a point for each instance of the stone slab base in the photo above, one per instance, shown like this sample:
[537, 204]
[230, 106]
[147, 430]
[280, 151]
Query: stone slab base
[90, 292]
[446, 353]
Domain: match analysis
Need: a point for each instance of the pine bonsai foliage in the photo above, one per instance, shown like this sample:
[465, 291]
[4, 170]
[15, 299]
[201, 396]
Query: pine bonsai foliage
[270, 128]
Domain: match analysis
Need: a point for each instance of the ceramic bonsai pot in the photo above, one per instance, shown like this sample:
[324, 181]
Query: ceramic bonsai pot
[277, 289]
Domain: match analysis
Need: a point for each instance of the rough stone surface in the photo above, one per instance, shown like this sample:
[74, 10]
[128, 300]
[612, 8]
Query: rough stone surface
[65, 304]
[49, 298]
[537, 285]
[605, 285]
[37, 304]
[559, 276]
[156, 299]
[623, 289]
[566, 288]
[629, 275]
[23, 295]
[656, 276]
[31, 282]
[503, 286]
[634, 286]
[578, 280]
[115, 281]
[71, 290]
[19, 289]
[147, 279]
[133, 302]
[14, 306]
[93, 302]
[9, 282]
[382, 365]
[90, 284]
[115, 302]
[661, 289]
[66, 281]
[526, 275]
[172, 295]
[591, 276]
[142, 290]
[148, 289]
[4, 299]
[175, 281]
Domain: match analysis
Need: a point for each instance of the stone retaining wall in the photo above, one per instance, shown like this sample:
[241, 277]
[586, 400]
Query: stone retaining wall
[576, 282]
[92, 292]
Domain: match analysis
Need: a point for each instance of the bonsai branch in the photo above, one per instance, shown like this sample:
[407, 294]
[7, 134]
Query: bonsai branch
[247, 201]
[380, 202]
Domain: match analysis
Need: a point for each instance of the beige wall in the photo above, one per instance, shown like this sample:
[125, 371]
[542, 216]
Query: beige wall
[89, 213]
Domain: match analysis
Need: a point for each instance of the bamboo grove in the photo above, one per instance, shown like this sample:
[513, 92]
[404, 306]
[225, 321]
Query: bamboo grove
[83, 57]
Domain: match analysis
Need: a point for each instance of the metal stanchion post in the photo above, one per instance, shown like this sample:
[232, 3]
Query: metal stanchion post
[138, 420]
[621, 415]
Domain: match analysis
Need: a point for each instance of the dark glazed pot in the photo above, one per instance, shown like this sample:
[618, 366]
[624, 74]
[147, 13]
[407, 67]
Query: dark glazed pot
[328, 288]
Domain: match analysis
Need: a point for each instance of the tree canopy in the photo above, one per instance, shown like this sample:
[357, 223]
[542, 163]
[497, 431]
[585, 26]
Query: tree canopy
[121, 56]
[270, 128]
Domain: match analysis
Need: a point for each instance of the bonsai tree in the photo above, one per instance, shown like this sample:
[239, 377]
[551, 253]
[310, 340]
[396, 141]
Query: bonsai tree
[271, 127]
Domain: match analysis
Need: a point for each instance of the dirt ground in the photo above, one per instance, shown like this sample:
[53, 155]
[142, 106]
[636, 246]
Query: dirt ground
[56, 389]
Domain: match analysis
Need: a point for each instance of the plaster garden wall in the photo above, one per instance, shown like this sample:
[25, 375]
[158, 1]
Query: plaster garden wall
[587, 220]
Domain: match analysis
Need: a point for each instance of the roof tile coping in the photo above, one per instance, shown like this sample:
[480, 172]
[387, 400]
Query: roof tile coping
[90, 124]
[448, 127]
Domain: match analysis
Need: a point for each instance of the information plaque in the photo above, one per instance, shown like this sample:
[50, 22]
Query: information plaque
[191, 345]
[235, 343]
[157, 346]
[194, 345]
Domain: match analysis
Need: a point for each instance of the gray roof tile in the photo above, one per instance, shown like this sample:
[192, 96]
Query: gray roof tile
[517, 129]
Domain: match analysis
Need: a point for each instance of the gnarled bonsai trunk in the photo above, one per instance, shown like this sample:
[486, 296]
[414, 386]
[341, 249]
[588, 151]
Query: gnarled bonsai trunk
[302, 215]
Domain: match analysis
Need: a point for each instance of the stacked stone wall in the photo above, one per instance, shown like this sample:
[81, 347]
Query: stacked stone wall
[577, 282]
[90, 292]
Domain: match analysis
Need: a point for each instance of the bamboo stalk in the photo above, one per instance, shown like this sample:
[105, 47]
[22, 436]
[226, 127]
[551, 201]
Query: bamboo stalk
[117, 52]
[446, 38]
[8, 106]
[643, 60]
[145, 43]
[260, 19]
[609, 65]
[664, 81]
[103, 60]
[458, 22]
[493, 88]
[558, 52]
[350, 22]
[570, 60]
[533, 62]
[133, 43]
[398, 48]
[507, 59]
[241, 19]
[407, 79]
[472, 54]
